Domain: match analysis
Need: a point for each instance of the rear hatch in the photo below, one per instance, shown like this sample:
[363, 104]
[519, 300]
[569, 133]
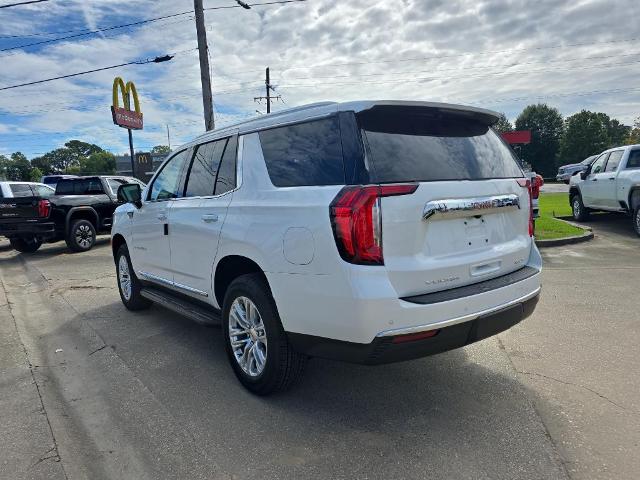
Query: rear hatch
[19, 209]
[468, 220]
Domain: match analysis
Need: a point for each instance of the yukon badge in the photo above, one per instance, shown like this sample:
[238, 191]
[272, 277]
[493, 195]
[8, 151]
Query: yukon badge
[441, 280]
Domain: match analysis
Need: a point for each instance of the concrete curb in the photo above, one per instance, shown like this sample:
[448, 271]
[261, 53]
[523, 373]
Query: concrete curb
[557, 242]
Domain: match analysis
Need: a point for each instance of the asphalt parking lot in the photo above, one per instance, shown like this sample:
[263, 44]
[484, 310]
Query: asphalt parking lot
[91, 390]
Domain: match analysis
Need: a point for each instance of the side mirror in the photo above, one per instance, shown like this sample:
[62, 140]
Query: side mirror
[130, 193]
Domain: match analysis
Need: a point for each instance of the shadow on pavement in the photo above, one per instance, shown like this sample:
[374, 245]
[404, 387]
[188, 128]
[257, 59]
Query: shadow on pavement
[449, 411]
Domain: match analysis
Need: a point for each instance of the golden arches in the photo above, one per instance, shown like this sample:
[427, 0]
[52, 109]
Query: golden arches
[127, 92]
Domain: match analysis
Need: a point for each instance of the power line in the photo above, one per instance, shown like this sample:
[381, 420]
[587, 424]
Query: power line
[137, 62]
[140, 22]
[22, 3]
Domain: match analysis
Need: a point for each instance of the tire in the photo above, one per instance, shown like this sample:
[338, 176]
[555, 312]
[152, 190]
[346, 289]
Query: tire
[281, 366]
[129, 291]
[566, 182]
[636, 220]
[579, 211]
[25, 244]
[81, 236]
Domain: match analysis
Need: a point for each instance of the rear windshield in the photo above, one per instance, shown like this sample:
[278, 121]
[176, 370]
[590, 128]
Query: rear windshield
[406, 145]
[83, 186]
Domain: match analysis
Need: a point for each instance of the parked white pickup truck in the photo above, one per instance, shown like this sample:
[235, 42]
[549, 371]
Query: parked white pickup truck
[611, 183]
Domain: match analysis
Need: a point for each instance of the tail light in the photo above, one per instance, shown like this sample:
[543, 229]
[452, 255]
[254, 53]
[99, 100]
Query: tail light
[44, 208]
[356, 219]
[536, 183]
[526, 183]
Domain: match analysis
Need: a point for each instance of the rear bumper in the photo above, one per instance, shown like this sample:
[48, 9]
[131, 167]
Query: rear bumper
[20, 229]
[361, 305]
[389, 347]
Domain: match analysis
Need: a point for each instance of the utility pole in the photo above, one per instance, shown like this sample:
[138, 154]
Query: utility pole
[168, 137]
[270, 88]
[205, 77]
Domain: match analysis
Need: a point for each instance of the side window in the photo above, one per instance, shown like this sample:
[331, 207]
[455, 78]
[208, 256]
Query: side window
[21, 190]
[226, 179]
[599, 163]
[634, 159]
[202, 175]
[166, 184]
[614, 161]
[304, 154]
[93, 187]
[43, 191]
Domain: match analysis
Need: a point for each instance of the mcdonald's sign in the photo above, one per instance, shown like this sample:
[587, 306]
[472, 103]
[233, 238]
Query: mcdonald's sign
[124, 116]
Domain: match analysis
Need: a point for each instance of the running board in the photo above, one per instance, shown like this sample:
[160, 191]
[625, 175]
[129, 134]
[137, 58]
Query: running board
[202, 315]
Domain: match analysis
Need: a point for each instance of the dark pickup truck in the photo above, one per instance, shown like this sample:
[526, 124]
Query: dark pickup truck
[81, 208]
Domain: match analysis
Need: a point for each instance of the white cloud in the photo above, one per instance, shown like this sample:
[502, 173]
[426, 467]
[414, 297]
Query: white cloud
[479, 52]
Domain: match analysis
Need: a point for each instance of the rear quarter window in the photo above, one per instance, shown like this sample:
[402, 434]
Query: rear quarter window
[304, 154]
[421, 145]
[634, 159]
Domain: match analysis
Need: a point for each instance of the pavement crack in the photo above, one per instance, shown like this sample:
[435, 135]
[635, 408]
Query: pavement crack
[98, 349]
[54, 455]
[564, 382]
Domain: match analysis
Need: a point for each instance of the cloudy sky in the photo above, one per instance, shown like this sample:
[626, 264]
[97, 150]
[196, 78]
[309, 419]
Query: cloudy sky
[498, 54]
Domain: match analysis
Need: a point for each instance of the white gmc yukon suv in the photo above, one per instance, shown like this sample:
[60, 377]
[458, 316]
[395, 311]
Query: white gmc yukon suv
[369, 232]
[611, 183]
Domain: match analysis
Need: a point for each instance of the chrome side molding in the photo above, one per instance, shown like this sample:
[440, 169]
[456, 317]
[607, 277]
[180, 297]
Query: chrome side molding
[468, 207]
[163, 281]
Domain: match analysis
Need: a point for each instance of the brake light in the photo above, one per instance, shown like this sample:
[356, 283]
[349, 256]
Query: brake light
[44, 208]
[536, 183]
[526, 183]
[356, 219]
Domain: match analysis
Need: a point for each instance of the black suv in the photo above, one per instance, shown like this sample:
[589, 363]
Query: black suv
[81, 208]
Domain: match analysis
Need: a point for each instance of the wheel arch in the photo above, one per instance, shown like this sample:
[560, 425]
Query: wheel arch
[228, 269]
[116, 242]
[82, 213]
[634, 197]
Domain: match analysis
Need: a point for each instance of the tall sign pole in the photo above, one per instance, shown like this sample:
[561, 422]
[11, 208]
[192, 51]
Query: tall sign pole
[205, 73]
[125, 117]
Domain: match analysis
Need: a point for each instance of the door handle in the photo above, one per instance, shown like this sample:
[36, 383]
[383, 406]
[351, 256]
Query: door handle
[612, 178]
[209, 217]
[162, 216]
[594, 179]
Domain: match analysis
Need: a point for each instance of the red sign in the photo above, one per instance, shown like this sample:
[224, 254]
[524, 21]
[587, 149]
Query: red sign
[126, 118]
[517, 137]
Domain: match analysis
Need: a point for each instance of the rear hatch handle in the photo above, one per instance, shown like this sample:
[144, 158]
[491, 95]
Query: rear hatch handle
[465, 207]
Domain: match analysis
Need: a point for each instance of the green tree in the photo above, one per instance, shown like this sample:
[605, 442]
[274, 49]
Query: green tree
[43, 164]
[17, 168]
[617, 132]
[585, 134]
[98, 163]
[4, 163]
[503, 124]
[546, 128]
[35, 175]
[160, 150]
[589, 133]
[634, 134]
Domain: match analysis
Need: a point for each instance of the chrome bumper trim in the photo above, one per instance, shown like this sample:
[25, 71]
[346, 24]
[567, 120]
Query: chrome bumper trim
[455, 321]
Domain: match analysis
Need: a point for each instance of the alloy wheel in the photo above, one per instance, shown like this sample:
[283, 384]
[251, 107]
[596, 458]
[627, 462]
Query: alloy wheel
[124, 277]
[83, 235]
[247, 336]
[576, 208]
